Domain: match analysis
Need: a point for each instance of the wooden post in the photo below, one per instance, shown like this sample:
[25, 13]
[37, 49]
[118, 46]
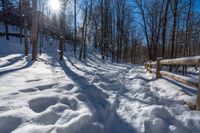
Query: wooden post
[150, 67]
[158, 68]
[147, 66]
[198, 92]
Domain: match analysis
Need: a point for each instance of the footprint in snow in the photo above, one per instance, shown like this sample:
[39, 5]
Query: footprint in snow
[9, 123]
[72, 103]
[34, 80]
[40, 104]
[28, 90]
[46, 87]
[69, 87]
[81, 97]
[14, 93]
[47, 118]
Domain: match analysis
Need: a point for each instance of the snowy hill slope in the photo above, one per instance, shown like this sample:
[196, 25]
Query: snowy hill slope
[51, 96]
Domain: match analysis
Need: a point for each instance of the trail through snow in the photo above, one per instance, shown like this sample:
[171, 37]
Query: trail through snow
[50, 96]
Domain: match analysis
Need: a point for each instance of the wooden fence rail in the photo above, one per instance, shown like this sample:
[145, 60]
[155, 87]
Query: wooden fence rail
[156, 66]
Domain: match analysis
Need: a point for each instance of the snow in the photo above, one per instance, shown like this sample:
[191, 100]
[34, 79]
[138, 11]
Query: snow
[93, 96]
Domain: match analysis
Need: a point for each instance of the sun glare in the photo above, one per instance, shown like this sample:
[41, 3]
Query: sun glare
[54, 5]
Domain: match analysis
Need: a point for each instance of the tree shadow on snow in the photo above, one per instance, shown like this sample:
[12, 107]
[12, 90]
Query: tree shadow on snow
[12, 61]
[105, 79]
[145, 79]
[103, 111]
[186, 89]
[70, 61]
[26, 65]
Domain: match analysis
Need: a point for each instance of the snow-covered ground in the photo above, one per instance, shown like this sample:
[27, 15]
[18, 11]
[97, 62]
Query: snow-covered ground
[51, 96]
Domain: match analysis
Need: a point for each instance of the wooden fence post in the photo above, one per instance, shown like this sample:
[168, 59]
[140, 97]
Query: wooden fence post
[150, 67]
[198, 92]
[147, 66]
[158, 68]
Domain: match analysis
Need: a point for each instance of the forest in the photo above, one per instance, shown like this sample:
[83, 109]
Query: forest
[131, 31]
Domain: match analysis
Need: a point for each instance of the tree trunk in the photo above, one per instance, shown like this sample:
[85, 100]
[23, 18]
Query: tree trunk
[5, 17]
[63, 32]
[75, 30]
[186, 47]
[173, 30]
[21, 20]
[164, 29]
[25, 22]
[34, 30]
[26, 36]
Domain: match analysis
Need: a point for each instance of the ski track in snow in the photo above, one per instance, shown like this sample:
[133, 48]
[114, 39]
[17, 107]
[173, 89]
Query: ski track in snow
[50, 96]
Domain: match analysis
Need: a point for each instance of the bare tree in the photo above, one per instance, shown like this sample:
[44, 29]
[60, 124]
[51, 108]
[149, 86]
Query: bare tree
[34, 30]
[63, 29]
[24, 9]
[141, 8]
[86, 21]
[175, 6]
[75, 28]
[164, 28]
[5, 16]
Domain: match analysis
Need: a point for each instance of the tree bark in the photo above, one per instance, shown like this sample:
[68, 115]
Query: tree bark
[164, 29]
[173, 31]
[5, 17]
[63, 31]
[34, 30]
[75, 30]
[25, 22]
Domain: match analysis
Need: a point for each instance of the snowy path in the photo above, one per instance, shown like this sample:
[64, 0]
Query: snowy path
[44, 97]
[70, 96]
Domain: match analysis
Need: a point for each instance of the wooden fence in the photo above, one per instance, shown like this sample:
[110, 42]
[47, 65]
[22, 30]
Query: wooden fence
[156, 66]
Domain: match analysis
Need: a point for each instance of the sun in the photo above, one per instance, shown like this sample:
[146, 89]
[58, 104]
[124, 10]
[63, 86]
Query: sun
[54, 5]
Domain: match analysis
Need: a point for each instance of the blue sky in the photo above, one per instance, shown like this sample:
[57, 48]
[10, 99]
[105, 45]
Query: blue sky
[197, 5]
